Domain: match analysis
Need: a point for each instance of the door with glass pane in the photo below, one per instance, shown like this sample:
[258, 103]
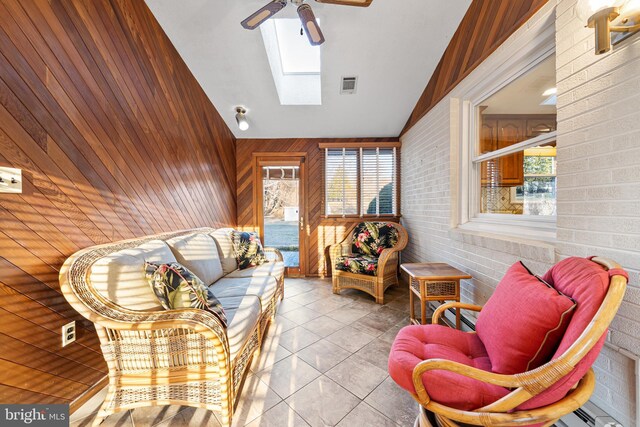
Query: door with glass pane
[281, 212]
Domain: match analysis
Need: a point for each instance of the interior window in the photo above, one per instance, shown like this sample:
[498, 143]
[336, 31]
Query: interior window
[516, 150]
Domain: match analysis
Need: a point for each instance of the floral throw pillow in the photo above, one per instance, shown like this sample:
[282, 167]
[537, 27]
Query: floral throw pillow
[371, 238]
[248, 248]
[177, 287]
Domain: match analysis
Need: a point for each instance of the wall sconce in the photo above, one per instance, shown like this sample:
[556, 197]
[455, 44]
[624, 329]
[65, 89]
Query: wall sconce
[610, 16]
[241, 118]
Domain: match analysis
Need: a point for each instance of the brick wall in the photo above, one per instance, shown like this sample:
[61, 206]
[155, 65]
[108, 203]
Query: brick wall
[598, 186]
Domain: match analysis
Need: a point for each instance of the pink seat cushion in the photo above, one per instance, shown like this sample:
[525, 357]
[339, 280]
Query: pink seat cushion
[587, 283]
[413, 344]
[523, 322]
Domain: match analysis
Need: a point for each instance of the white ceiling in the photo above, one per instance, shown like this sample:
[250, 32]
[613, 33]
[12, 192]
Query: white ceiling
[392, 46]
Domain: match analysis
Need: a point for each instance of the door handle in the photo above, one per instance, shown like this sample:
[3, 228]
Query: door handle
[301, 223]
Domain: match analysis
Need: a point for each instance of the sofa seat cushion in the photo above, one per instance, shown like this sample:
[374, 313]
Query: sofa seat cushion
[413, 344]
[523, 322]
[359, 264]
[242, 313]
[262, 287]
[371, 238]
[120, 276]
[222, 237]
[271, 268]
[199, 254]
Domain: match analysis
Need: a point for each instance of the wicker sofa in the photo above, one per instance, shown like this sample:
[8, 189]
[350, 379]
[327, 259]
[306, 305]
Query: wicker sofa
[186, 356]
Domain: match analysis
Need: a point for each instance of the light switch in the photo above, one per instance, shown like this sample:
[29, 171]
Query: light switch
[10, 180]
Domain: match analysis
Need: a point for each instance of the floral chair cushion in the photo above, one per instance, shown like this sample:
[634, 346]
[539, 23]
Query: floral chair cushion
[371, 238]
[359, 264]
[248, 248]
[177, 287]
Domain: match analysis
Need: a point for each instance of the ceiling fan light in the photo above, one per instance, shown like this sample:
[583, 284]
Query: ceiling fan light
[241, 119]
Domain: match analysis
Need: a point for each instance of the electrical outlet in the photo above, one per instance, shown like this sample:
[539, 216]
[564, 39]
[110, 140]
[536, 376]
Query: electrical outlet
[68, 333]
[10, 180]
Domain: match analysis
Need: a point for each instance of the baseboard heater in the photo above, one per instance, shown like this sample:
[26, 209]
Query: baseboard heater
[589, 415]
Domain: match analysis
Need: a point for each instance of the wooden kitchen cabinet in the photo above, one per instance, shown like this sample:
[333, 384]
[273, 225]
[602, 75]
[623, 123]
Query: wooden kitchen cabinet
[500, 131]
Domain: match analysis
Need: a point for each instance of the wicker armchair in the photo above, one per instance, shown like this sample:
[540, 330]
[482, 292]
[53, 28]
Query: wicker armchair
[537, 397]
[387, 266]
[172, 357]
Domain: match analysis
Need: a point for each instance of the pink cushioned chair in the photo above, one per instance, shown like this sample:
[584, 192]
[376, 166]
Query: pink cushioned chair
[451, 373]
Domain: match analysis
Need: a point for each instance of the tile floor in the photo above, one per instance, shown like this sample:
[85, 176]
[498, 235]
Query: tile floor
[323, 363]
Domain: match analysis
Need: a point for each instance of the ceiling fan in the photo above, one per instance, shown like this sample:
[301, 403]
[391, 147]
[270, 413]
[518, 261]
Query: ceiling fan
[309, 22]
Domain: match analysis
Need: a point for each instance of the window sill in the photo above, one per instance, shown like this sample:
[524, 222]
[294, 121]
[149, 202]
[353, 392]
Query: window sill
[538, 247]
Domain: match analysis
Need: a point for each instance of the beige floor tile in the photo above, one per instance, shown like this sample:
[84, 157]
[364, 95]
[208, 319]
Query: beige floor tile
[323, 355]
[191, 417]
[350, 339]
[282, 324]
[357, 375]
[301, 315]
[256, 398]
[348, 314]
[287, 305]
[382, 319]
[376, 353]
[326, 305]
[152, 415]
[323, 326]
[270, 353]
[322, 402]
[120, 419]
[391, 333]
[365, 416]
[280, 415]
[296, 339]
[90, 407]
[288, 375]
[306, 297]
[394, 402]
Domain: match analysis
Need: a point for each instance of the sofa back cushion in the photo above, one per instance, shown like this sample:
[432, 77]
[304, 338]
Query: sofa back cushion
[522, 322]
[371, 238]
[199, 254]
[222, 237]
[587, 283]
[120, 276]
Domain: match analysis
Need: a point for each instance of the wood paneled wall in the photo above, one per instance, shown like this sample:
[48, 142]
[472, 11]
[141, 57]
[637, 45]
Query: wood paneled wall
[322, 232]
[485, 26]
[116, 139]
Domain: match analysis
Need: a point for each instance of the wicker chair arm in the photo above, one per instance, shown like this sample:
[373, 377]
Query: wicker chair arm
[385, 257]
[273, 254]
[440, 310]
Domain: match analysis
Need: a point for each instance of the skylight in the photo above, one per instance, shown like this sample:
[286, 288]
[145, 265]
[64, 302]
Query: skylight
[295, 64]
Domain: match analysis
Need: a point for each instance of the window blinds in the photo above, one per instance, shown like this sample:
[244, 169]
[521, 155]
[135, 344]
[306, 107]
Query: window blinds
[341, 181]
[360, 181]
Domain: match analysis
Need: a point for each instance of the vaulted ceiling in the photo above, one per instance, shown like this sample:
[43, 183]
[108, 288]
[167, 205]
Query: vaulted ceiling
[392, 46]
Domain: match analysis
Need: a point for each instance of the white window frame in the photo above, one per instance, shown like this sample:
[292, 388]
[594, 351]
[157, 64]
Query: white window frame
[513, 65]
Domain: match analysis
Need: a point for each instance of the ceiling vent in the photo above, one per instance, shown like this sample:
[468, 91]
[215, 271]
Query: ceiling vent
[348, 85]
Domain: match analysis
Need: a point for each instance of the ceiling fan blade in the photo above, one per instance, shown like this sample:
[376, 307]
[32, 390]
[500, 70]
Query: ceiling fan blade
[360, 3]
[257, 18]
[310, 25]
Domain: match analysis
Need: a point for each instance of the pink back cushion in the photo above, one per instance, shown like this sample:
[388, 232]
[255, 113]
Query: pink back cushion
[587, 283]
[523, 321]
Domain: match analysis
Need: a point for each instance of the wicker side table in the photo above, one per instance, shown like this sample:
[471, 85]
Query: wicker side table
[433, 281]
